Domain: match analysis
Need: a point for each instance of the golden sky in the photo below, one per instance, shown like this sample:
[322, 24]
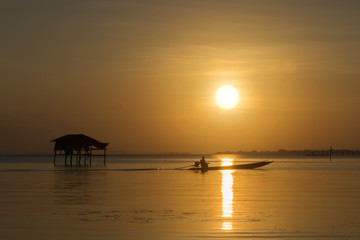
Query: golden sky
[142, 74]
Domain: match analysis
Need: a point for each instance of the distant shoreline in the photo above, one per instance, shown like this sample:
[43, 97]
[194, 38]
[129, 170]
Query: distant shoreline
[307, 152]
[281, 152]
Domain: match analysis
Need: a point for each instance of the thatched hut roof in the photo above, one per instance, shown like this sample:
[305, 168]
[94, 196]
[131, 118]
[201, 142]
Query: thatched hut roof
[78, 141]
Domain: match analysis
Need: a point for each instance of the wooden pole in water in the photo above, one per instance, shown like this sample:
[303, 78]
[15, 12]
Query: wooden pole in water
[104, 156]
[90, 155]
[54, 157]
[79, 154]
[331, 151]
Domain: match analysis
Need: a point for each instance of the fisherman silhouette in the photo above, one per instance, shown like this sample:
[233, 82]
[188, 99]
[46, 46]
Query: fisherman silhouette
[203, 164]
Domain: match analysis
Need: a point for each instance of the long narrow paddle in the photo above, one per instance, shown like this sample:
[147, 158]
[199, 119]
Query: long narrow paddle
[184, 167]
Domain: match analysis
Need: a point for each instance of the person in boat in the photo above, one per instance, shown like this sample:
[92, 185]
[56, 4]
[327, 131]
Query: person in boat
[203, 164]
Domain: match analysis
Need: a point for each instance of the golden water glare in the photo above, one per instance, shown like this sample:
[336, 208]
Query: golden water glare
[227, 194]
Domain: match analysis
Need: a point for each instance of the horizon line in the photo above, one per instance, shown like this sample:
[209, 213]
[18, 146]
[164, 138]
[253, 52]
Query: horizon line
[280, 151]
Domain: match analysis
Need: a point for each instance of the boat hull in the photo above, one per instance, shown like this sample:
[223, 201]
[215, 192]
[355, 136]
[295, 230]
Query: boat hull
[239, 166]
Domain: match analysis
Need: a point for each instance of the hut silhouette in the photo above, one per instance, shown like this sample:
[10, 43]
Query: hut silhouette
[79, 145]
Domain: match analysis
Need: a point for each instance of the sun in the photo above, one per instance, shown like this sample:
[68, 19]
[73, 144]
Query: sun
[227, 97]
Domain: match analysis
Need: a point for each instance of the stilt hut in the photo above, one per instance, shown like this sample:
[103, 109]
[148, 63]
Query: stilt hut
[79, 145]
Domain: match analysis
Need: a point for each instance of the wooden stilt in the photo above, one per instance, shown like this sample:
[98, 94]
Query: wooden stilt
[104, 156]
[90, 155]
[71, 159]
[65, 159]
[331, 152]
[78, 158]
[54, 157]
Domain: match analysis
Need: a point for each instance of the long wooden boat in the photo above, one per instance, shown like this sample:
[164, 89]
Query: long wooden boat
[238, 166]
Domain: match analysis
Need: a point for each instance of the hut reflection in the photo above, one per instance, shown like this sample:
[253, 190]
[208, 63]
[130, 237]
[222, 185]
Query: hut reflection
[227, 194]
[78, 187]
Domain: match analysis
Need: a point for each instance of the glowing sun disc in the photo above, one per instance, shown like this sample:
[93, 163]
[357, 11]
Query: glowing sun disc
[227, 97]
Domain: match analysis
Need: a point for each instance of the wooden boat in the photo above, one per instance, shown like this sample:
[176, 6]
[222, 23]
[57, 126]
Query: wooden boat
[238, 166]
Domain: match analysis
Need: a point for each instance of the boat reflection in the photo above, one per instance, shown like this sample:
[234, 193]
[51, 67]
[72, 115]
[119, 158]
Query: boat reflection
[227, 194]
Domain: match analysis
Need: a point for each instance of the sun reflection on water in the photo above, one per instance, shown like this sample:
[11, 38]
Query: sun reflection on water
[227, 194]
[226, 226]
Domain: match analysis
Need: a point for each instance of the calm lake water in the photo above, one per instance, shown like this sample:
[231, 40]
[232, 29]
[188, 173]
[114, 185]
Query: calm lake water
[292, 198]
